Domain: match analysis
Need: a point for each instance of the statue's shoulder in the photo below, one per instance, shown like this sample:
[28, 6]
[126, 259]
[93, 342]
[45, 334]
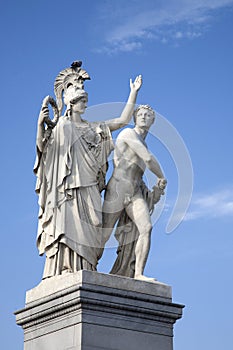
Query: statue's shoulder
[64, 124]
[64, 121]
[100, 128]
[63, 130]
[125, 133]
[98, 124]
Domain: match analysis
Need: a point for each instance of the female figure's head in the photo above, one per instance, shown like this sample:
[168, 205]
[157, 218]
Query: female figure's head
[69, 88]
[75, 99]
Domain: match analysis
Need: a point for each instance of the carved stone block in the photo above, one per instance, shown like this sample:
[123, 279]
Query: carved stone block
[90, 310]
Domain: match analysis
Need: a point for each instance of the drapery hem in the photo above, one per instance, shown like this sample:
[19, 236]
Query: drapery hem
[65, 261]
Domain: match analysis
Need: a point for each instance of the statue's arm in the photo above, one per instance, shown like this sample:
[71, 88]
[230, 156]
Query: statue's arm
[129, 137]
[40, 139]
[43, 133]
[127, 112]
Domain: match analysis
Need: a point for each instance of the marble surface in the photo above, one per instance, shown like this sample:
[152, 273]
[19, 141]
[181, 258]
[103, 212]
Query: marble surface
[98, 311]
[59, 283]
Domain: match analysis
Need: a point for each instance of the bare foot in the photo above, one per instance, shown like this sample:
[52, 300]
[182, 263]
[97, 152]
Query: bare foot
[145, 278]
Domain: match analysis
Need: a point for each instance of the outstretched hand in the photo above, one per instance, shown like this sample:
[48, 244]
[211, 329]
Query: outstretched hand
[135, 86]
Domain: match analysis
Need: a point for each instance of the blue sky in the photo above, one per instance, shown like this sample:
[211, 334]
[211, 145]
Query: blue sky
[184, 51]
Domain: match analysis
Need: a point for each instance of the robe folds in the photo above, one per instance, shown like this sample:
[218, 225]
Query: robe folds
[70, 176]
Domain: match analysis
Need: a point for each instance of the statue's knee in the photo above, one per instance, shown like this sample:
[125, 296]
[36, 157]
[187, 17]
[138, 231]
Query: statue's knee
[146, 229]
[149, 227]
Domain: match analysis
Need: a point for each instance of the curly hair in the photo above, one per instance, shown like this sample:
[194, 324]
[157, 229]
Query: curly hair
[145, 107]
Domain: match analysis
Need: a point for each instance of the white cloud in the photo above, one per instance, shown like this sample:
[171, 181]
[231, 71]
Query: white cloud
[124, 46]
[214, 205]
[131, 23]
[179, 35]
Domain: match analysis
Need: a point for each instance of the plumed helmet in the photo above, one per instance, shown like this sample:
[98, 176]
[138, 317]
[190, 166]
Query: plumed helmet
[70, 81]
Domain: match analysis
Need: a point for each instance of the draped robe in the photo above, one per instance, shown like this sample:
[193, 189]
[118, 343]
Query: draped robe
[70, 176]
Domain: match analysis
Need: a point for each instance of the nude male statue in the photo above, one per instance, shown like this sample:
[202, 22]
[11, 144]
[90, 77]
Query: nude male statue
[124, 190]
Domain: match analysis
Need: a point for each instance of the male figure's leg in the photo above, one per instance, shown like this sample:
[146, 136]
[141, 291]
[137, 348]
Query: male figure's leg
[138, 212]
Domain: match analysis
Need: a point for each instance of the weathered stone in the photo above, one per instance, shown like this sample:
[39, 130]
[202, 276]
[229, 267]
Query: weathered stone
[128, 202]
[98, 311]
[71, 165]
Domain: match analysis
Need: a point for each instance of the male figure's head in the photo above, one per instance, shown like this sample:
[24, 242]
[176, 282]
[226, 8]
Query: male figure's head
[144, 117]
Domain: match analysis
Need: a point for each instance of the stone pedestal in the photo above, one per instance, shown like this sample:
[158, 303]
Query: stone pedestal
[90, 310]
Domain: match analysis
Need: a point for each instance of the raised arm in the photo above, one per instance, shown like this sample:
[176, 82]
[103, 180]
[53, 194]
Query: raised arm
[127, 112]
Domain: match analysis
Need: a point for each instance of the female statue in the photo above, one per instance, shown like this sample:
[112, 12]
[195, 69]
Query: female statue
[70, 167]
